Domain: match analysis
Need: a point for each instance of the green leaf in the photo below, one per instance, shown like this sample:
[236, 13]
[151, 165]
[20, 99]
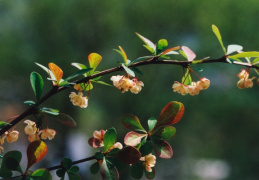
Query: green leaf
[150, 175]
[95, 168]
[255, 61]
[161, 45]
[136, 170]
[41, 174]
[217, 33]
[79, 66]
[128, 70]
[162, 149]
[245, 54]
[129, 155]
[37, 84]
[146, 148]
[73, 176]
[136, 70]
[11, 162]
[50, 111]
[123, 54]
[61, 172]
[132, 138]
[166, 132]
[109, 139]
[141, 58]
[43, 67]
[31, 103]
[149, 45]
[64, 119]
[67, 163]
[78, 73]
[234, 48]
[73, 169]
[103, 83]
[109, 172]
[3, 124]
[170, 114]
[94, 60]
[36, 151]
[187, 79]
[132, 122]
[183, 54]
[151, 123]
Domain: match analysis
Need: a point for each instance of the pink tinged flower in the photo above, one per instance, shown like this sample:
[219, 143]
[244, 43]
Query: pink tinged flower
[243, 74]
[194, 89]
[47, 133]
[99, 135]
[30, 128]
[150, 161]
[137, 86]
[33, 137]
[78, 100]
[245, 83]
[180, 88]
[204, 83]
[116, 145]
[11, 136]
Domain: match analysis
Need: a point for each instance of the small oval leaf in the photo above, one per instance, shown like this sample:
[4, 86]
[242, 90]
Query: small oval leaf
[109, 138]
[189, 53]
[171, 114]
[37, 84]
[132, 122]
[94, 60]
[162, 149]
[57, 72]
[129, 155]
[36, 151]
[133, 138]
[42, 174]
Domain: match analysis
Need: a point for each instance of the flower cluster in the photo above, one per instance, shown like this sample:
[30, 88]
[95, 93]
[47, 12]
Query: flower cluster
[244, 81]
[124, 84]
[78, 99]
[193, 89]
[97, 140]
[36, 134]
[10, 137]
[150, 161]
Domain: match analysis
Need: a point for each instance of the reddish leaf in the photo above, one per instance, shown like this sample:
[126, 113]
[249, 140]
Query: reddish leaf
[129, 155]
[171, 114]
[64, 119]
[170, 49]
[133, 138]
[36, 151]
[162, 149]
[166, 132]
[57, 72]
[95, 143]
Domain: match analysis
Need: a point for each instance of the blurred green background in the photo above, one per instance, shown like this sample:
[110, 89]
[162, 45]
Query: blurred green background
[218, 136]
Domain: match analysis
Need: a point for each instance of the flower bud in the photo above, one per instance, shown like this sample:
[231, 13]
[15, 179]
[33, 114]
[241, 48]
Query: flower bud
[204, 83]
[30, 128]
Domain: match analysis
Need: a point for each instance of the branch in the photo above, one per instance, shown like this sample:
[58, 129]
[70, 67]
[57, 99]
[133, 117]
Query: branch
[154, 60]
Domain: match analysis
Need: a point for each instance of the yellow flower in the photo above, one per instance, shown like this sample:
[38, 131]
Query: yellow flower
[78, 100]
[30, 128]
[150, 161]
[47, 133]
[11, 136]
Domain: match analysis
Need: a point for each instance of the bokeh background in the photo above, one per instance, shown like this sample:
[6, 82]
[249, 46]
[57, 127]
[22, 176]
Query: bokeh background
[218, 137]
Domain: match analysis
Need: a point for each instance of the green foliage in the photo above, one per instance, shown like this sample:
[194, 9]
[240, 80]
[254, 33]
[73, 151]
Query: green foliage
[69, 169]
[132, 122]
[109, 139]
[161, 45]
[109, 171]
[95, 167]
[217, 33]
[2, 124]
[136, 170]
[37, 84]
[64, 119]
[41, 174]
[11, 162]
[151, 123]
